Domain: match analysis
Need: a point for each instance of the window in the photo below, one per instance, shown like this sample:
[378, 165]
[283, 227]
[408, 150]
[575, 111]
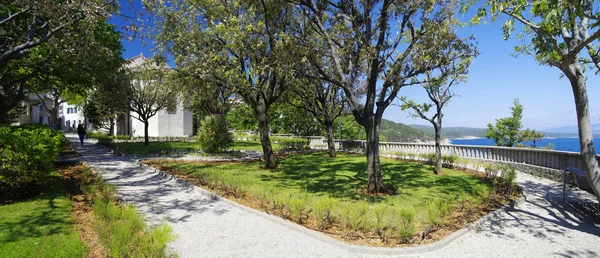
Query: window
[69, 110]
[68, 123]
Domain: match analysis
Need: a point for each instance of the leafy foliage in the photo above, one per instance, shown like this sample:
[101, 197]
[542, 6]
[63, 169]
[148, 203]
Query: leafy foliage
[27, 154]
[213, 135]
[506, 130]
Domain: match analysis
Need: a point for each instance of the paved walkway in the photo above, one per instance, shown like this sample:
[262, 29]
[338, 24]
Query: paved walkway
[543, 226]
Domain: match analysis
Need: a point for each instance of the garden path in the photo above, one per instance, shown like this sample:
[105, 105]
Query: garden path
[543, 226]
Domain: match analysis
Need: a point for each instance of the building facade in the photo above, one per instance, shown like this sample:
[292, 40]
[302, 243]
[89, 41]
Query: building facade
[177, 121]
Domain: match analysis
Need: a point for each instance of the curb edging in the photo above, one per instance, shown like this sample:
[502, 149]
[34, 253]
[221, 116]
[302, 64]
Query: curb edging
[473, 226]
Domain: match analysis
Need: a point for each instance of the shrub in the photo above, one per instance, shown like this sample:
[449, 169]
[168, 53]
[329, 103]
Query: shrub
[287, 143]
[429, 158]
[323, 211]
[449, 160]
[213, 134]
[27, 154]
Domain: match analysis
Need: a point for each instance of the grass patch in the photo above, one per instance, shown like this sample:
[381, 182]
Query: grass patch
[331, 191]
[40, 227]
[168, 147]
[122, 230]
[250, 146]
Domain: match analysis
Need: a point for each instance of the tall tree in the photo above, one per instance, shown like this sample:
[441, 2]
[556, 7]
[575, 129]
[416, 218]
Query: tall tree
[107, 101]
[241, 45]
[151, 90]
[324, 102]
[506, 130]
[390, 44]
[439, 89]
[27, 25]
[560, 34]
[71, 67]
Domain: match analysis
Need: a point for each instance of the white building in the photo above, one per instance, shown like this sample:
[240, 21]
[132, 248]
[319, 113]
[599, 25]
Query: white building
[70, 116]
[33, 111]
[167, 122]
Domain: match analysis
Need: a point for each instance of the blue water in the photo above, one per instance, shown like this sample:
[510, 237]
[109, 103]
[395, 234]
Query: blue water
[561, 144]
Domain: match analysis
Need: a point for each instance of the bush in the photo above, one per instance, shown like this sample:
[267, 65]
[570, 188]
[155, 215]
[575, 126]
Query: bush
[449, 160]
[27, 154]
[214, 135]
[287, 143]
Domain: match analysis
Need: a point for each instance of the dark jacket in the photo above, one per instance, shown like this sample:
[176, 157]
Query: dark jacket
[80, 130]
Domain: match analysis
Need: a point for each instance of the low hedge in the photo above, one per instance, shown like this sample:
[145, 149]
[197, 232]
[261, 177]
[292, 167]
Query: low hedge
[288, 143]
[27, 154]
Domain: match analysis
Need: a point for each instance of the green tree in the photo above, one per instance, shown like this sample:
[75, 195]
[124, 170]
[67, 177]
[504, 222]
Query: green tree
[241, 45]
[506, 130]
[560, 34]
[439, 86]
[106, 102]
[323, 101]
[72, 67]
[151, 90]
[531, 136]
[364, 54]
[27, 25]
[241, 117]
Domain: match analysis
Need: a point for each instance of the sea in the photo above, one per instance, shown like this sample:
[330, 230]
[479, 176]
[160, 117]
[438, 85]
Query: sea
[560, 144]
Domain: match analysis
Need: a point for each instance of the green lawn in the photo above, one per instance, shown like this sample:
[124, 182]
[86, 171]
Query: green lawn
[250, 146]
[166, 147]
[40, 227]
[315, 176]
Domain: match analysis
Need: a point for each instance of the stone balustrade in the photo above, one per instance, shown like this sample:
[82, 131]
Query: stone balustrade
[525, 159]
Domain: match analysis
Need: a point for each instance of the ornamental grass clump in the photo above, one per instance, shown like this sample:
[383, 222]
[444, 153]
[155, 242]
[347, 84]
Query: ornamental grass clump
[323, 209]
[436, 211]
[353, 215]
[298, 207]
[406, 224]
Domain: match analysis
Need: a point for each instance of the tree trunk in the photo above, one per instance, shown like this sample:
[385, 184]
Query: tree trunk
[586, 140]
[375, 183]
[111, 129]
[54, 111]
[330, 143]
[146, 140]
[438, 149]
[265, 141]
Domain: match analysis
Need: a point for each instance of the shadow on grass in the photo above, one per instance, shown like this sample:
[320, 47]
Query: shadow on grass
[39, 217]
[341, 177]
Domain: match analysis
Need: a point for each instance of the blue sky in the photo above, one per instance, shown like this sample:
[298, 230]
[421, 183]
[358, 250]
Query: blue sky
[495, 80]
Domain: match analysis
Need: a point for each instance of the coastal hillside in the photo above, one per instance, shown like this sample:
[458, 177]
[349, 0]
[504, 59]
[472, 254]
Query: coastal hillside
[469, 132]
[398, 132]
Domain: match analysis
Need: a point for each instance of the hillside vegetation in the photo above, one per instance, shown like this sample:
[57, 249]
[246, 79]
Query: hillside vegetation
[398, 132]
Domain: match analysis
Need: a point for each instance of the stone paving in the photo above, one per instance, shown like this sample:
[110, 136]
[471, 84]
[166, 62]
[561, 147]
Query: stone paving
[543, 226]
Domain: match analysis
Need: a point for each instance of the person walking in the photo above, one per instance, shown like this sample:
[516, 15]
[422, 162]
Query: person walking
[81, 132]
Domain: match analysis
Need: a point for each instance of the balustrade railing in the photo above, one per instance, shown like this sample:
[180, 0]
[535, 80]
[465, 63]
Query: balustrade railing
[537, 157]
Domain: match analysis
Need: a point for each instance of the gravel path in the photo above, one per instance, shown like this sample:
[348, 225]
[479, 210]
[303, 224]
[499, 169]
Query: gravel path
[543, 226]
